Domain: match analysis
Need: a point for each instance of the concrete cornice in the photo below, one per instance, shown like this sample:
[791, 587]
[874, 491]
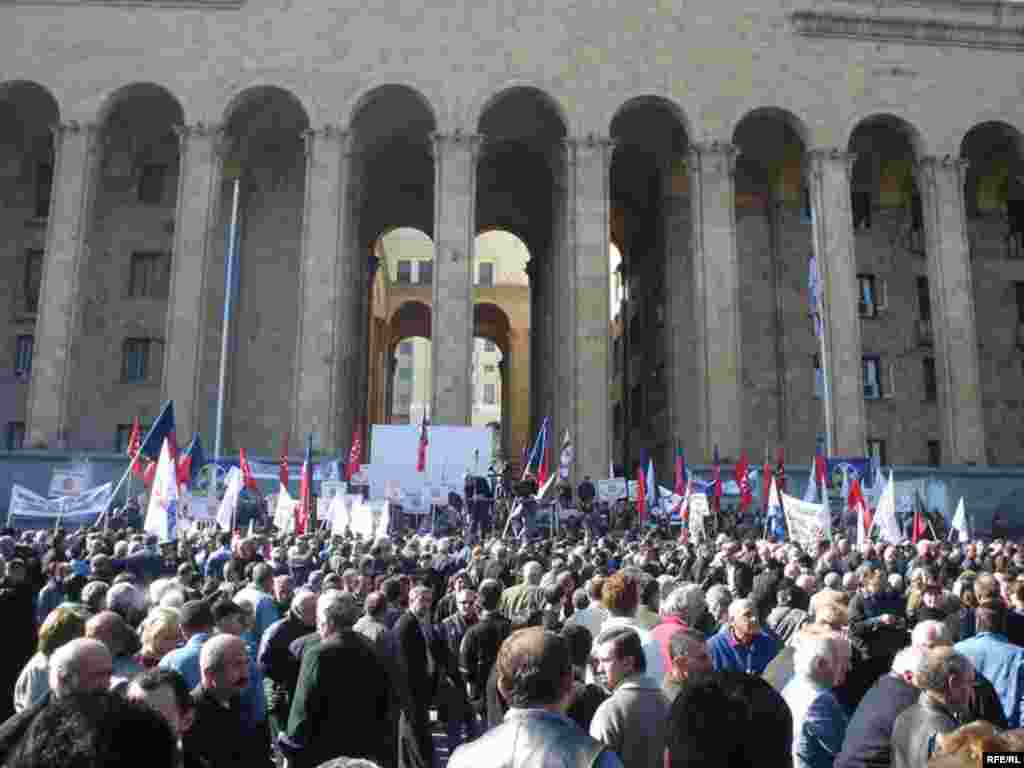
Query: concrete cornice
[877, 28]
[206, 5]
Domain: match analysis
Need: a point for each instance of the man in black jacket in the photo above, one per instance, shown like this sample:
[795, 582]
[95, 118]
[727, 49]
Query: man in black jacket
[18, 607]
[280, 668]
[219, 735]
[481, 643]
[325, 720]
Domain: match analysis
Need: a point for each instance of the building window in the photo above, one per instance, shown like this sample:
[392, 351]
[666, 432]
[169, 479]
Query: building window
[23, 346]
[819, 377]
[405, 348]
[148, 277]
[405, 373]
[404, 271]
[877, 450]
[934, 453]
[871, 366]
[15, 435]
[44, 190]
[486, 274]
[871, 295]
[930, 382]
[489, 345]
[489, 394]
[135, 367]
[489, 369]
[425, 273]
[33, 279]
[152, 183]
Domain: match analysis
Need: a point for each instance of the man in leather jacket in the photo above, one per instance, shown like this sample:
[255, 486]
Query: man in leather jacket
[534, 672]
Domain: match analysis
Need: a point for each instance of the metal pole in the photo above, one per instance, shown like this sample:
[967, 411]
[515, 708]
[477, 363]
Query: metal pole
[226, 325]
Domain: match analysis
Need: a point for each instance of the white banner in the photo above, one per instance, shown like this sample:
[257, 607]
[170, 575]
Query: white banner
[699, 510]
[369, 517]
[807, 523]
[339, 514]
[70, 480]
[284, 512]
[611, 490]
[77, 509]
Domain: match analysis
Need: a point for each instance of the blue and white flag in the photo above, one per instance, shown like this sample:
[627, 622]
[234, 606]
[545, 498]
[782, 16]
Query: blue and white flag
[885, 514]
[814, 294]
[162, 514]
[960, 523]
[226, 510]
[776, 517]
[566, 457]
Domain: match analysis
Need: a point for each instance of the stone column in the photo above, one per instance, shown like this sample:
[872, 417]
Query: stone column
[451, 359]
[941, 181]
[832, 236]
[716, 291]
[684, 418]
[74, 184]
[515, 382]
[201, 164]
[589, 161]
[323, 296]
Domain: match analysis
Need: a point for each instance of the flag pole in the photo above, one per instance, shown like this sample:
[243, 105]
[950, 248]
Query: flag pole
[818, 237]
[225, 334]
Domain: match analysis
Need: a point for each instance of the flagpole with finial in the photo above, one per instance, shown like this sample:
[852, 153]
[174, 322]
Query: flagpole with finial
[821, 330]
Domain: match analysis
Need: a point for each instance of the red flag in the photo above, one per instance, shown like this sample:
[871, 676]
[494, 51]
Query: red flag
[920, 530]
[304, 509]
[355, 456]
[746, 493]
[855, 503]
[780, 471]
[680, 488]
[641, 494]
[821, 472]
[247, 479]
[421, 451]
[542, 471]
[134, 444]
[149, 472]
[282, 470]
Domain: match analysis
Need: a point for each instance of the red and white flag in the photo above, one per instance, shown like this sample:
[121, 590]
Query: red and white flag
[243, 463]
[421, 448]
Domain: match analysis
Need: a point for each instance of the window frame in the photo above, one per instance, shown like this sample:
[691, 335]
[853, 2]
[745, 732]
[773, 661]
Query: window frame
[490, 393]
[43, 192]
[864, 362]
[15, 436]
[21, 369]
[930, 379]
[145, 346]
[156, 273]
[426, 265]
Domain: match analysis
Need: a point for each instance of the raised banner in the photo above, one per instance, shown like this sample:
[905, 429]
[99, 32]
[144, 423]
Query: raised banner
[70, 480]
[806, 522]
[699, 511]
[80, 509]
[611, 490]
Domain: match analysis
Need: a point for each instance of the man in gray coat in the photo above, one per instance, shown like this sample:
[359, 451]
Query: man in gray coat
[946, 680]
[633, 720]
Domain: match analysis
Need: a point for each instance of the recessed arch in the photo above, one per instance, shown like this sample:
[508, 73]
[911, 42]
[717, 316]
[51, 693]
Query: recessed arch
[380, 96]
[784, 116]
[893, 122]
[622, 119]
[408, 319]
[258, 99]
[515, 105]
[30, 95]
[490, 322]
[994, 151]
[772, 147]
[140, 90]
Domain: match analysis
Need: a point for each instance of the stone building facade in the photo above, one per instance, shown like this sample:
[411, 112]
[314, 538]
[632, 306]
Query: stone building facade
[716, 144]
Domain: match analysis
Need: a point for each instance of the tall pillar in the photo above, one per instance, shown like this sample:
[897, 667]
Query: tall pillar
[834, 248]
[451, 359]
[589, 161]
[515, 383]
[684, 418]
[74, 184]
[716, 291]
[560, 308]
[941, 181]
[322, 293]
[201, 164]
[534, 274]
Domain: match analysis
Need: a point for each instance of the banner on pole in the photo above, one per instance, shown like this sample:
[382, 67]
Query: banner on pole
[70, 480]
[807, 523]
[78, 509]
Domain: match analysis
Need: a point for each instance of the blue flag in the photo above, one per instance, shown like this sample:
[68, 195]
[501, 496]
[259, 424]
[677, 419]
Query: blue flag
[162, 428]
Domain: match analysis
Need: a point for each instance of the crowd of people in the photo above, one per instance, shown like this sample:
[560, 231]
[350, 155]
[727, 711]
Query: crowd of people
[631, 650]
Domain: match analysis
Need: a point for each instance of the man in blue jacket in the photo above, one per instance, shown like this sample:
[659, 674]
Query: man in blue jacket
[740, 645]
[996, 658]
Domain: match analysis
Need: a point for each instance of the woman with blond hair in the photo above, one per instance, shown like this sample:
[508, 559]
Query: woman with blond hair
[63, 624]
[160, 633]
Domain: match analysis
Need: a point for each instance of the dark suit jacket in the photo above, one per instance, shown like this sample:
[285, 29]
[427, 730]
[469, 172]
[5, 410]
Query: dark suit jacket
[412, 655]
[868, 741]
[220, 737]
[14, 728]
[345, 704]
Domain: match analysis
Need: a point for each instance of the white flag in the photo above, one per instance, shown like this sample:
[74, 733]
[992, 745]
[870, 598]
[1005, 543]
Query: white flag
[339, 514]
[162, 514]
[885, 514]
[284, 511]
[811, 492]
[226, 510]
[565, 460]
[960, 522]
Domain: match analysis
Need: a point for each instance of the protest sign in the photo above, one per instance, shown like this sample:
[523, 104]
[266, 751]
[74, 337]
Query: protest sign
[806, 522]
[611, 490]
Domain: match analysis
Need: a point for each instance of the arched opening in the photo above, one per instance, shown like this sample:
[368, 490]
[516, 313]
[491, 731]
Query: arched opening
[773, 239]
[27, 111]
[264, 131]
[650, 222]
[126, 275]
[898, 368]
[521, 190]
[409, 333]
[391, 195]
[994, 206]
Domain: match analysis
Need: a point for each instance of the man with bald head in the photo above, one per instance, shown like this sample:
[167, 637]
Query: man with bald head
[740, 645]
[219, 734]
[113, 631]
[280, 668]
